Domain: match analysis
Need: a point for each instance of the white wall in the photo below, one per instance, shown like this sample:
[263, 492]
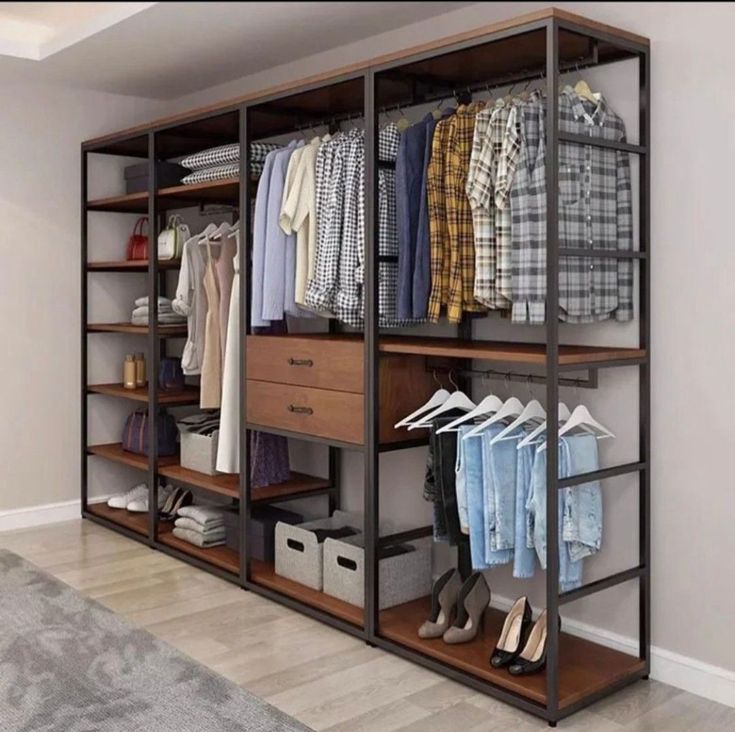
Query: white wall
[693, 314]
[42, 128]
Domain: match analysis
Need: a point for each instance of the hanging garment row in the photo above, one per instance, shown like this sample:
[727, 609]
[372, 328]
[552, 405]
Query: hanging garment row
[486, 479]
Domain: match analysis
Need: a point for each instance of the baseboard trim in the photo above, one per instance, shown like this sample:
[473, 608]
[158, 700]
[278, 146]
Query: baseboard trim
[48, 513]
[683, 672]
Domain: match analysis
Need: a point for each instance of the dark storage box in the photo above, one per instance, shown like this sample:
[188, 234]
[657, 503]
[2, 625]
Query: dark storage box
[261, 530]
[136, 176]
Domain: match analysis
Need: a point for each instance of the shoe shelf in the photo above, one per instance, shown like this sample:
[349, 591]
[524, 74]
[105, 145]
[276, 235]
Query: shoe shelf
[164, 331]
[264, 575]
[135, 265]
[190, 394]
[584, 667]
[114, 451]
[137, 522]
[218, 556]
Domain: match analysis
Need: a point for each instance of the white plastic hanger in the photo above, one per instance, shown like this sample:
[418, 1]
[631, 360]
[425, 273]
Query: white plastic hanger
[489, 405]
[457, 400]
[437, 399]
[511, 408]
[214, 236]
[564, 415]
[581, 417]
[532, 412]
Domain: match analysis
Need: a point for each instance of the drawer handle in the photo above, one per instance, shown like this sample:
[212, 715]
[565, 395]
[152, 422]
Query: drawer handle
[300, 410]
[300, 362]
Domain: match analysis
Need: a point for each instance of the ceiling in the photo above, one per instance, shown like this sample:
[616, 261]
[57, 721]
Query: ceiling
[165, 50]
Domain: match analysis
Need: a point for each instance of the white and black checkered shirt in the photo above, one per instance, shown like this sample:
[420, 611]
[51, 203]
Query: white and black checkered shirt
[595, 212]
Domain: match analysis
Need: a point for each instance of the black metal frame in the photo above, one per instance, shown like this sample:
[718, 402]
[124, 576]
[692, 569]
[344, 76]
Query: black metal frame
[372, 448]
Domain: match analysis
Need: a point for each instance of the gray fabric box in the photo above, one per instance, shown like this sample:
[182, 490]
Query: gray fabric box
[403, 577]
[198, 452]
[262, 530]
[299, 555]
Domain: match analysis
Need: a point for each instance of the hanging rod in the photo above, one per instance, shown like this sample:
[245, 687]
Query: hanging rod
[588, 382]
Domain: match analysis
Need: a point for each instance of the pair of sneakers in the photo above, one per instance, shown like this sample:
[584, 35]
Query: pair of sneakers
[136, 499]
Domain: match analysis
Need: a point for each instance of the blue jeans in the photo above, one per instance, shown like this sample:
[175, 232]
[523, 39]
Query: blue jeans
[524, 561]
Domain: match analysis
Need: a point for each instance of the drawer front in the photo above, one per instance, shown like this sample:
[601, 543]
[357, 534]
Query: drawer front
[320, 412]
[323, 363]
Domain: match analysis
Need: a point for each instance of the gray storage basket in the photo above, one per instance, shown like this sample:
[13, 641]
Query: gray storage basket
[403, 578]
[198, 452]
[299, 555]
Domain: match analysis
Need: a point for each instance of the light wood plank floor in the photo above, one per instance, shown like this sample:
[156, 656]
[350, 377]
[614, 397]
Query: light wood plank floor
[328, 680]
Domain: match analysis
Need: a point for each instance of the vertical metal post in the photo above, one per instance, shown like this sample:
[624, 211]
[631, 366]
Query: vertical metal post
[153, 341]
[83, 331]
[244, 304]
[371, 361]
[464, 554]
[644, 374]
[552, 366]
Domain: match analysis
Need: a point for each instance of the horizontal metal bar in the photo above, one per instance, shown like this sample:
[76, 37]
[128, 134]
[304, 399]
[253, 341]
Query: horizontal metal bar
[601, 253]
[601, 142]
[589, 382]
[198, 563]
[409, 535]
[306, 609]
[603, 474]
[294, 496]
[462, 677]
[601, 584]
[611, 363]
[305, 437]
[599, 34]
[403, 444]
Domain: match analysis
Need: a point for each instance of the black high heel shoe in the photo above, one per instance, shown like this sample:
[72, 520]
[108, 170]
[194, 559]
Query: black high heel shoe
[514, 634]
[533, 657]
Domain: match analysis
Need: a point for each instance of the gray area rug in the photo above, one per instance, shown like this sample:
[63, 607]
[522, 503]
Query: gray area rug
[67, 664]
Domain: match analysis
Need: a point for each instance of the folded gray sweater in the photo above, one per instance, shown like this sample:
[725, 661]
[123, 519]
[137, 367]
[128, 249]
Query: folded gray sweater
[210, 530]
[197, 539]
[205, 516]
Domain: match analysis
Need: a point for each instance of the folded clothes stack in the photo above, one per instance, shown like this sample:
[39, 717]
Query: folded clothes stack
[166, 314]
[202, 526]
[219, 163]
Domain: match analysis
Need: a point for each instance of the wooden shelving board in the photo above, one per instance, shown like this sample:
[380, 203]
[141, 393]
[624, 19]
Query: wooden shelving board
[219, 556]
[137, 522]
[126, 203]
[264, 574]
[190, 395]
[114, 451]
[224, 485]
[584, 667]
[505, 352]
[220, 191]
[135, 265]
[298, 485]
[165, 331]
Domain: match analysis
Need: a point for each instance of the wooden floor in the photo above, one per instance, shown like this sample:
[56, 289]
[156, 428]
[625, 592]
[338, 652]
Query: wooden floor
[327, 679]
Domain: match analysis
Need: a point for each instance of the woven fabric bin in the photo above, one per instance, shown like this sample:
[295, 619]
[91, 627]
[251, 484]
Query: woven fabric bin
[403, 577]
[199, 452]
[299, 556]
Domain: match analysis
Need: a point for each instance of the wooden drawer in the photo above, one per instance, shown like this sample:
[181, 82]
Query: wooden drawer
[336, 415]
[322, 362]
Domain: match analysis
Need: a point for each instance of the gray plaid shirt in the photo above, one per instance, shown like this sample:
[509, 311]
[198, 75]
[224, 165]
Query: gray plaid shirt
[595, 212]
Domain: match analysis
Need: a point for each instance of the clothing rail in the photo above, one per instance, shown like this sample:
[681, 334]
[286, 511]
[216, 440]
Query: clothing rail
[588, 382]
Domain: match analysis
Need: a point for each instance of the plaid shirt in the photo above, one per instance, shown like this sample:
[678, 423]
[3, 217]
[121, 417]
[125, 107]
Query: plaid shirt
[460, 297]
[487, 194]
[595, 212]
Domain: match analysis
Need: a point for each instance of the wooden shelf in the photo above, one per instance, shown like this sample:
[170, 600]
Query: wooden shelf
[505, 352]
[219, 556]
[224, 485]
[127, 203]
[114, 451]
[297, 486]
[164, 331]
[137, 522]
[263, 574]
[190, 395]
[584, 667]
[219, 191]
[135, 265]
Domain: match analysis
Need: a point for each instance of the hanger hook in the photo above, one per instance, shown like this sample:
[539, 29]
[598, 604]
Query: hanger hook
[452, 381]
[436, 378]
[528, 384]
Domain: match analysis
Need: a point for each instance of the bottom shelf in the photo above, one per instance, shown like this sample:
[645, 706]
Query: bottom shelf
[584, 667]
[137, 522]
[262, 573]
[219, 556]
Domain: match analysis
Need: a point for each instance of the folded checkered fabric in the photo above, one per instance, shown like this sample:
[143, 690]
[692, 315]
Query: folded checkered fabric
[220, 172]
[217, 156]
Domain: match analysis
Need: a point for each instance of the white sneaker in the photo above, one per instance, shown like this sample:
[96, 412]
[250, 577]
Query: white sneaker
[140, 505]
[121, 500]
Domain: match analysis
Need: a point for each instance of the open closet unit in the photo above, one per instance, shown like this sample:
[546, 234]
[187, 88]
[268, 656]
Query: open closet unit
[345, 386]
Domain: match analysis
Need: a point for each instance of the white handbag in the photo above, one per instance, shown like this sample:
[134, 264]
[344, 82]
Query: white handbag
[171, 239]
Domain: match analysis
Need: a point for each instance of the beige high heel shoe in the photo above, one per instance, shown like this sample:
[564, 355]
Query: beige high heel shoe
[443, 601]
[474, 597]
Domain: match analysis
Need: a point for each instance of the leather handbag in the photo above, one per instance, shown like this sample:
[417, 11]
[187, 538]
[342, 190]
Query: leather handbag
[138, 242]
[171, 239]
[136, 431]
[170, 375]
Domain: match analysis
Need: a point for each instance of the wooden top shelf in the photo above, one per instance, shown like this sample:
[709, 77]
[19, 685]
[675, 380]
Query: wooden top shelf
[584, 667]
[503, 352]
[136, 265]
[190, 394]
[114, 451]
[164, 331]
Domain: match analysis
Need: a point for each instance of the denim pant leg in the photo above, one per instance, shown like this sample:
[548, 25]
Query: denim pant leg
[475, 503]
[523, 556]
[503, 463]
